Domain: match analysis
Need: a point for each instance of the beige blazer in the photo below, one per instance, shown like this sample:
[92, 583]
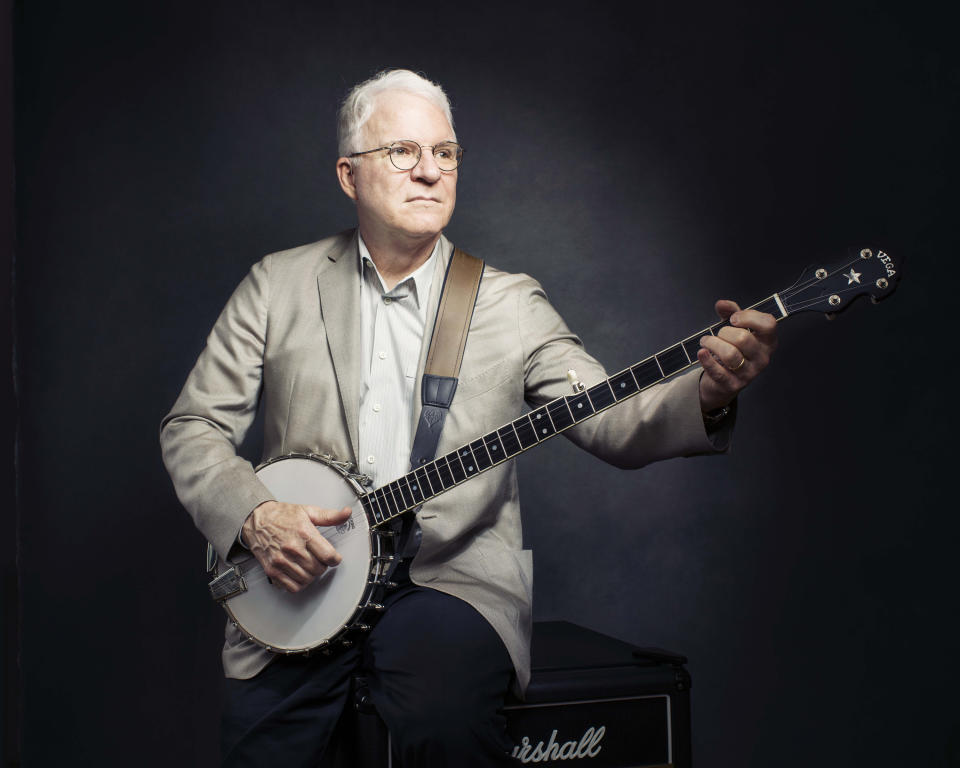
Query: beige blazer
[288, 342]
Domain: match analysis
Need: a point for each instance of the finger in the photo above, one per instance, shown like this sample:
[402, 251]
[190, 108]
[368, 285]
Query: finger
[761, 323]
[725, 308]
[281, 581]
[323, 551]
[298, 553]
[760, 340]
[746, 343]
[719, 374]
[286, 575]
[321, 516]
[728, 354]
[292, 571]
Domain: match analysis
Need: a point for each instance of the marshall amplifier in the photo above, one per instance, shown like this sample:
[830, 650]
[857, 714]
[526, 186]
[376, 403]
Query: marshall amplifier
[594, 700]
[601, 702]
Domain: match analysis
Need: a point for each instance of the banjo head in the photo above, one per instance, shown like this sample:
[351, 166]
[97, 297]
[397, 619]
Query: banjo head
[288, 622]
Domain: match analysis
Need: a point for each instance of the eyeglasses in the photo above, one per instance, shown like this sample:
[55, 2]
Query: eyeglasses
[406, 154]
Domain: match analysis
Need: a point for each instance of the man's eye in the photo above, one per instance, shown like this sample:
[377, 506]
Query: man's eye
[443, 154]
[399, 151]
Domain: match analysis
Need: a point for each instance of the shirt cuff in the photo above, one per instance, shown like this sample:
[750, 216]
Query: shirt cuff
[719, 427]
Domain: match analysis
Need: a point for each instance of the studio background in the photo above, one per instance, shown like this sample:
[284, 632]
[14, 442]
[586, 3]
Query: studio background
[640, 163]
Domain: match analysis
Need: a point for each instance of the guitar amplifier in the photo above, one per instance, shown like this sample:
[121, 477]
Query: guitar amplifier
[602, 702]
[599, 701]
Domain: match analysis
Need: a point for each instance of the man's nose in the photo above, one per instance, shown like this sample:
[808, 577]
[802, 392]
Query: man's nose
[427, 169]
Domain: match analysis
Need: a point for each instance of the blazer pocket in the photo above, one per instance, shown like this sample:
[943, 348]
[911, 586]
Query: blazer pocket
[489, 378]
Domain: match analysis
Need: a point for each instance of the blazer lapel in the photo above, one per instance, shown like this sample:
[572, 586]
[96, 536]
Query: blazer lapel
[339, 286]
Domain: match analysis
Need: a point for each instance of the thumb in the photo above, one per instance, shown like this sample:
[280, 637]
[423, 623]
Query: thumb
[725, 308]
[321, 516]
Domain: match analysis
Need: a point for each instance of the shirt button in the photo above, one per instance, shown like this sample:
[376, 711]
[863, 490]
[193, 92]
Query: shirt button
[387, 300]
[376, 407]
[370, 459]
[382, 355]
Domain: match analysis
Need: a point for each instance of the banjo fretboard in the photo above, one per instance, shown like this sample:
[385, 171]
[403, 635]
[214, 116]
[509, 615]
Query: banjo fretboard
[538, 425]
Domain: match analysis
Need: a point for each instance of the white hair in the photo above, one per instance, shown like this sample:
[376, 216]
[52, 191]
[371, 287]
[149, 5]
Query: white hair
[360, 102]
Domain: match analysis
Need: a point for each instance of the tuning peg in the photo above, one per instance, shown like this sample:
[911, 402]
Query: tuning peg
[830, 315]
[575, 382]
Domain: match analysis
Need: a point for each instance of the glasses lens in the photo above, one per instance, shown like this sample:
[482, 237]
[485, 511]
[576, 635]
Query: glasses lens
[448, 155]
[404, 154]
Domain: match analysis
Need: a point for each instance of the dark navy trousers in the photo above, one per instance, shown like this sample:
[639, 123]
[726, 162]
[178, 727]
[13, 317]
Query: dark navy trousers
[438, 675]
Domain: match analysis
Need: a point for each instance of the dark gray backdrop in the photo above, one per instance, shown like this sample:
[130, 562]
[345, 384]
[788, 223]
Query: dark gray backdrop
[641, 163]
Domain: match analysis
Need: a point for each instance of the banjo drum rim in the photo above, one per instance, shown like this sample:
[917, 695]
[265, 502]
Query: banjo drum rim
[374, 569]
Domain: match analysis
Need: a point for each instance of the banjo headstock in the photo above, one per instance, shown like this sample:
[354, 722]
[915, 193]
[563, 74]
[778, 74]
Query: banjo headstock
[820, 289]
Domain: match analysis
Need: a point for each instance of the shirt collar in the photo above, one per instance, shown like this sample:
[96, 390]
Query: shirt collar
[420, 279]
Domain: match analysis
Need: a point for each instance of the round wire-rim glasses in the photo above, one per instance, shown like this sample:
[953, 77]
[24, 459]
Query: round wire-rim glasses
[405, 154]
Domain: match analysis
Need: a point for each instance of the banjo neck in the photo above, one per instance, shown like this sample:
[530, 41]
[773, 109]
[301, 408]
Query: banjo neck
[428, 481]
[817, 289]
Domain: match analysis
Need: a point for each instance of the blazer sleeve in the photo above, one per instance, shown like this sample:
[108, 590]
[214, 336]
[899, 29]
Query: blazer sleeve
[661, 422]
[200, 436]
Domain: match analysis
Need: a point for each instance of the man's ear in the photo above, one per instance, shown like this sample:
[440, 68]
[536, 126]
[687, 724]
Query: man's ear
[346, 177]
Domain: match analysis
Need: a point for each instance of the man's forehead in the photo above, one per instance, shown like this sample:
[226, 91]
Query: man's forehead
[396, 109]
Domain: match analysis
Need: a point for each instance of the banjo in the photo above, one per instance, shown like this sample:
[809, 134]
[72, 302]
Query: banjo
[344, 602]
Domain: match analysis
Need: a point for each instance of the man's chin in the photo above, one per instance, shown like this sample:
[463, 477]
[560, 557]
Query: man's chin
[425, 226]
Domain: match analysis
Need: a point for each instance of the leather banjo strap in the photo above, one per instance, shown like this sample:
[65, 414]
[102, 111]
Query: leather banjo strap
[457, 299]
[461, 284]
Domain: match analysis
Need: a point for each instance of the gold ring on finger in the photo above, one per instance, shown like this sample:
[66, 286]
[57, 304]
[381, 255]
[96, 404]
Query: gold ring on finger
[739, 365]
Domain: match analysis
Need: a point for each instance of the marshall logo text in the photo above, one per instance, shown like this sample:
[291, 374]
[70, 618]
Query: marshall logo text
[588, 746]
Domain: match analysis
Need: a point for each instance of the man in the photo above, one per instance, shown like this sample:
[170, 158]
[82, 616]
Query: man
[332, 337]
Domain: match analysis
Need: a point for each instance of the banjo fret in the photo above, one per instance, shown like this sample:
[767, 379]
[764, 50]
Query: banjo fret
[368, 507]
[433, 474]
[692, 345]
[456, 467]
[481, 454]
[408, 501]
[542, 423]
[672, 359]
[424, 483]
[509, 440]
[623, 385]
[398, 495]
[601, 396]
[492, 442]
[446, 478]
[580, 406]
[646, 373]
[469, 461]
[560, 414]
[392, 507]
[389, 501]
[526, 433]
